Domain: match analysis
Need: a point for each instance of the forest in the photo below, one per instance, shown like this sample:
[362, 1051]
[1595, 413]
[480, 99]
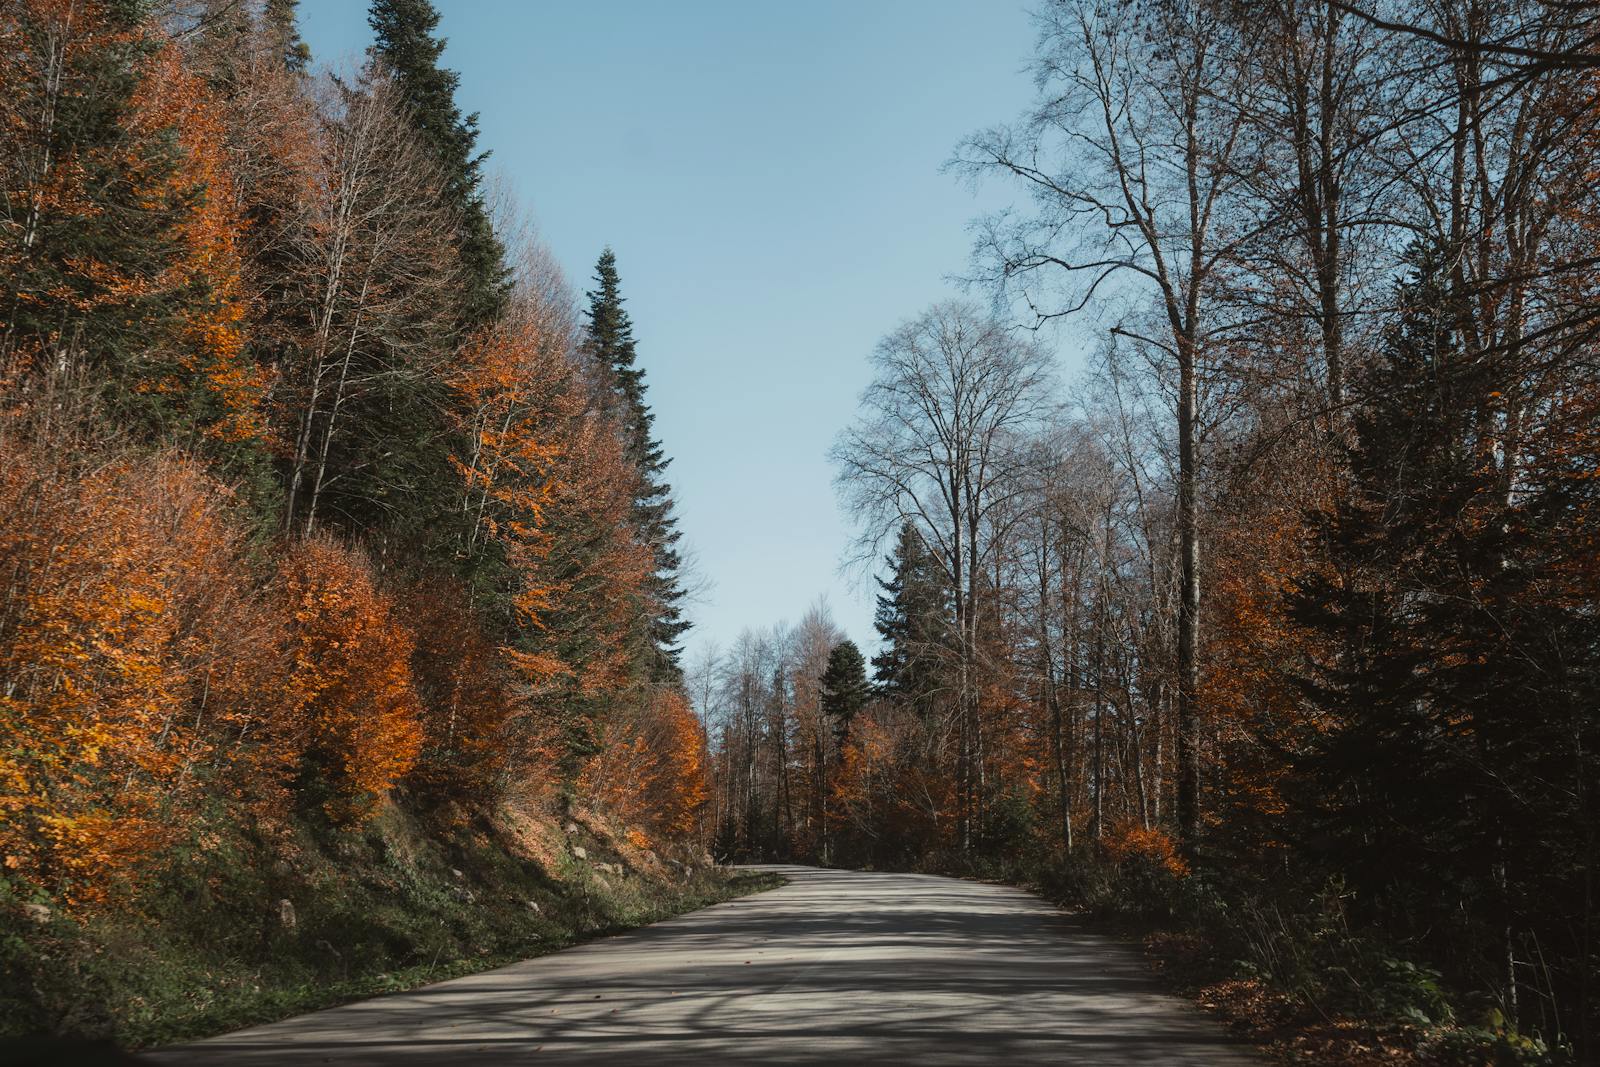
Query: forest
[325, 503]
[343, 592]
[1279, 622]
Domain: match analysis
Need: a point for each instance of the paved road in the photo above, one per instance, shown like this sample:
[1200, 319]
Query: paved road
[834, 968]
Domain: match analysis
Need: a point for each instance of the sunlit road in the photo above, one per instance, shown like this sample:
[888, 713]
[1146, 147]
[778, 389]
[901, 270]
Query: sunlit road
[836, 967]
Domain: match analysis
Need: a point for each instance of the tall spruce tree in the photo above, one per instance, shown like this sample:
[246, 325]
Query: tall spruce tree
[1453, 735]
[610, 344]
[407, 46]
[283, 30]
[912, 619]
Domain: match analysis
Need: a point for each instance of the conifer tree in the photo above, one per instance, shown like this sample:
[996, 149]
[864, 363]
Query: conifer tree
[610, 346]
[1451, 743]
[844, 688]
[283, 30]
[407, 46]
[911, 620]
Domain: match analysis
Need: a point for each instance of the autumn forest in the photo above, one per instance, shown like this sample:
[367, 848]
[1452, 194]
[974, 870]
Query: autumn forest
[343, 587]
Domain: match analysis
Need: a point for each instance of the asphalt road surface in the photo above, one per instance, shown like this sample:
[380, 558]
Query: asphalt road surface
[836, 967]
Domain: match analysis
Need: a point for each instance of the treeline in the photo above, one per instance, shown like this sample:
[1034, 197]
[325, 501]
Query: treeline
[1290, 603]
[317, 484]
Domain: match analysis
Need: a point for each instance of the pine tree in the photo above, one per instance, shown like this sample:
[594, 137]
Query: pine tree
[408, 49]
[844, 688]
[610, 346]
[1450, 743]
[279, 21]
[911, 619]
[1388, 792]
[108, 287]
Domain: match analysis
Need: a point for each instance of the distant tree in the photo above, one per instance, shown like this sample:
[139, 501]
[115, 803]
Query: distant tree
[844, 688]
[610, 345]
[939, 443]
[1134, 165]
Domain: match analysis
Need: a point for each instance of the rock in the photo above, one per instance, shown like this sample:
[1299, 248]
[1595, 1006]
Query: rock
[533, 906]
[455, 873]
[38, 913]
[580, 852]
[572, 827]
[286, 915]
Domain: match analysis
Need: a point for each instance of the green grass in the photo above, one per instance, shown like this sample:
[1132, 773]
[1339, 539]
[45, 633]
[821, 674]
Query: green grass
[202, 948]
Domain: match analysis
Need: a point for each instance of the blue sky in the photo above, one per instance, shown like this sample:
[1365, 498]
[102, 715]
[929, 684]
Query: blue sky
[769, 177]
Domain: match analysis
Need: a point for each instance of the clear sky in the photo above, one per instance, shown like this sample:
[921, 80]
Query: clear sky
[769, 177]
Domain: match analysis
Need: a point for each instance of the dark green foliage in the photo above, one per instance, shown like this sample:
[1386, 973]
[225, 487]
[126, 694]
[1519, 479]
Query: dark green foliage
[407, 47]
[610, 346]
[82, 294]
[913, 621]
[279, 19]
[407, 487]
[844, 688]
[1457, 688]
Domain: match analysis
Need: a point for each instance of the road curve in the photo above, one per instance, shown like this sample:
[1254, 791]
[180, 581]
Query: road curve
[837, 967]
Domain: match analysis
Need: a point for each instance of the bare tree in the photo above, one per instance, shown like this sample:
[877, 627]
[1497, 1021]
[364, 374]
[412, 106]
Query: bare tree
[939, 442]
[376, 264]
[1131, 158]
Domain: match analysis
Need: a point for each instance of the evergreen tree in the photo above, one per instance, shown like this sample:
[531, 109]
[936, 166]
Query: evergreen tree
[610, 345]
[911, 619]
[844, 688]
[1384, 773]
[94, 208]
[283, 30]
[407, 47]
[1451, 741]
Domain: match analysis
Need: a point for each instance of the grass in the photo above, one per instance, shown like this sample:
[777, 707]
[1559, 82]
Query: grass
[208, 944]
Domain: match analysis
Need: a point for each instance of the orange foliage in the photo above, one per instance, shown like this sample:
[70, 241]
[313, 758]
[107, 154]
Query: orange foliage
[651, 767]
[212, 353]
[135, 650]
[353, 656]
[1153, 848]
[546, 476]
[466, 694]
[513, 384]
[197, 360]
[1248, 687]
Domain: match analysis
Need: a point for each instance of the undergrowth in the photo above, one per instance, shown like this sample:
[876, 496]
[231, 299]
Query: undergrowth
[237, 930]
[1280, 960]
